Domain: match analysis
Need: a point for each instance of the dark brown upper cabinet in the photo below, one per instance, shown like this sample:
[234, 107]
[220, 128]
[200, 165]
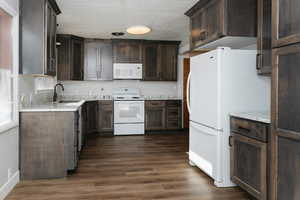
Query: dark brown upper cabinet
[127, 51]
[264, 37]
[151, 65]
[168, 62]
[211, 20]
[160, 60]
[286, 122]
[285, 22]
[38, 37]
[98, 59]
[70, 57]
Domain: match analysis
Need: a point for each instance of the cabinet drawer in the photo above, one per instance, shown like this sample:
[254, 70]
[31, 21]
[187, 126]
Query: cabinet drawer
[250, 129]
[155, 103]
[173, 113]
[174, 103]
[173, 124]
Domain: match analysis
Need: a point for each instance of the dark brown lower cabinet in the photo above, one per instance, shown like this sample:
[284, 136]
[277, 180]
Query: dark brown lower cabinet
[92, 117]
[155, 113]
[163, 115]
[105, 116]
[249, 156]
[249, 165]
[174, 115]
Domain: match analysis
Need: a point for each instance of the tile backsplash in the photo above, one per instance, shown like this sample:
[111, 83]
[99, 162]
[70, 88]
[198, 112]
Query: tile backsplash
[102, 88]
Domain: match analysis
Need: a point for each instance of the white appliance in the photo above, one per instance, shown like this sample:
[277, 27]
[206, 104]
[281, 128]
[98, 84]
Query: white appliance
[220, 82]
[129, 112]
[128, 71]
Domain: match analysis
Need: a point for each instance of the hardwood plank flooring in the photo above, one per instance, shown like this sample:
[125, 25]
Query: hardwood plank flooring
[151, 167]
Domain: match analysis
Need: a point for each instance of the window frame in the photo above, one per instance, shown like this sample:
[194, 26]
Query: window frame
[15, 65]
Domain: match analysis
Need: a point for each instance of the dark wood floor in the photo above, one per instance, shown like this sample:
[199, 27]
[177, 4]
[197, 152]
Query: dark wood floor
[130, 168]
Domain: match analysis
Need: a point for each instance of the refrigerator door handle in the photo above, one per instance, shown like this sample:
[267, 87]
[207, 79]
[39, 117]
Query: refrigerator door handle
[188, 93]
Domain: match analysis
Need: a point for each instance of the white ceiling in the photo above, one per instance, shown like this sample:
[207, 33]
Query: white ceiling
[99, 18]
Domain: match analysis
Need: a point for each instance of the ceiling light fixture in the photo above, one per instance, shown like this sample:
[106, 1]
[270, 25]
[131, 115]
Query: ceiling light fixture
[138, 30]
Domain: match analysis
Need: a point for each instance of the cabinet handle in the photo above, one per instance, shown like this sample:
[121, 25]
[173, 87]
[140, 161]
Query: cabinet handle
[230, 141]
[258, 61]
[244, 129]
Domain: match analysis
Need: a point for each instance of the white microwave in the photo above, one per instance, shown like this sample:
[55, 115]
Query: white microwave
[128, 71]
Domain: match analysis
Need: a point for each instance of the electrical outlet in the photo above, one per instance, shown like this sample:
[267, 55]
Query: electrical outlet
[8, 173]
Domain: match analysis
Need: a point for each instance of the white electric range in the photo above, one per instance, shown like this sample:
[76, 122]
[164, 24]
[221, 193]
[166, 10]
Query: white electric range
[129, 112]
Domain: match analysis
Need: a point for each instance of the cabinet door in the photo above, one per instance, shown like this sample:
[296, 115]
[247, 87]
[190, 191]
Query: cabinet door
[98, 60]
[151, 68]
[77, 54]
[127, 51]
[264, 37]
[286, 22]
[286, 123]
[174, 118]
[105, 116]
[198, 29]
[249, 165]
[208, 23]
[50, 41]
[155, 113]
[168, 62]
[214, 14]
[92, 117]
[63, 58]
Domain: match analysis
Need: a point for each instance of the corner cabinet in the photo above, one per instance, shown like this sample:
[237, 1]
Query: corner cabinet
[264, 37]
[38, 37]
[286, 120]
[127, 51]
[213, 19]
[160, 60]
[91, 117]
[70, 59]
[286, 22]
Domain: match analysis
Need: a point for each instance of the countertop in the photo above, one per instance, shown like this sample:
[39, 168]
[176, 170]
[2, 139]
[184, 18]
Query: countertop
[260, 116]
[53, 107]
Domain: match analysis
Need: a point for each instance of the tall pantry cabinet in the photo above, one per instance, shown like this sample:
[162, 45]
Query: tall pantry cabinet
[285, 138]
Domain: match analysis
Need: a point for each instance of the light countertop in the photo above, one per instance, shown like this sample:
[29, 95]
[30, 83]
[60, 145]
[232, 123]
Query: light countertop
[53, 107]
[259, 116]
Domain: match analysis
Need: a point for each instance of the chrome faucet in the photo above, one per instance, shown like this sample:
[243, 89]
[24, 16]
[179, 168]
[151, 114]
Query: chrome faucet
[55, 93]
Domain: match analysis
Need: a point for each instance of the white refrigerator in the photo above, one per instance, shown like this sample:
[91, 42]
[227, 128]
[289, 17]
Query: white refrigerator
[221, 81]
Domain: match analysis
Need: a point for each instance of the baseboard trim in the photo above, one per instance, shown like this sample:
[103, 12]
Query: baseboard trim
[11, 183]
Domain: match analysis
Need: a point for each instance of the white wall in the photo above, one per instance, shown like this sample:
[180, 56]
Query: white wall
[9, 148]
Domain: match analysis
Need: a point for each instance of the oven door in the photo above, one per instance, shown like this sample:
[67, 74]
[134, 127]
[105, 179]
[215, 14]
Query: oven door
[129, 112]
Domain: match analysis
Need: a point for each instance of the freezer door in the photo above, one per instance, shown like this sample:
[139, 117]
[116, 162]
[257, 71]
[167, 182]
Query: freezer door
[205, 150]
[205, 93]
